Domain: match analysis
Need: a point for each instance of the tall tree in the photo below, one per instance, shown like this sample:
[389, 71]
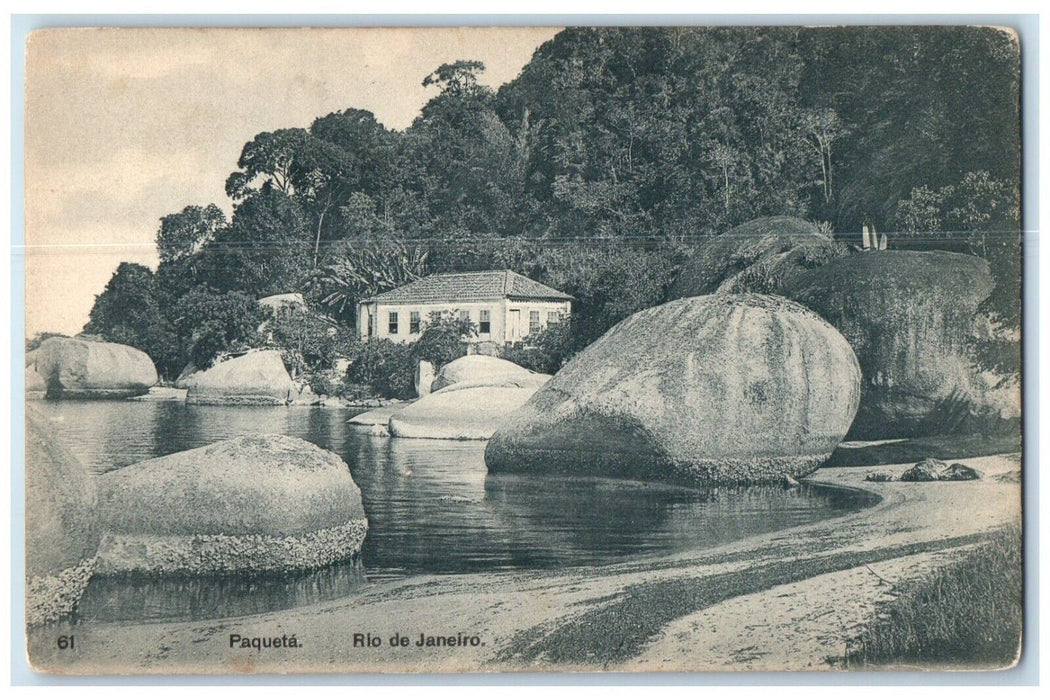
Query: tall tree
[185, 233]
[265, 250]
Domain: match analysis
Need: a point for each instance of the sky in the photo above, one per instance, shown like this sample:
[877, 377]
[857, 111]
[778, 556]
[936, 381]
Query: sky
[124, 126]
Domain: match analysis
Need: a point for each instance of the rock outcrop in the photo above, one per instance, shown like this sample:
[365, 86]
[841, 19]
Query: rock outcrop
[757, 256]
[908, 316]
[251, 503]
[257, 378]
[88, 369]
[277, 301]
[459, 412]
[482, 370]
[62, 528]
[724, 388]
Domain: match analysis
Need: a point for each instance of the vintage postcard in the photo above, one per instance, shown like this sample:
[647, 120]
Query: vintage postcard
[523, 349]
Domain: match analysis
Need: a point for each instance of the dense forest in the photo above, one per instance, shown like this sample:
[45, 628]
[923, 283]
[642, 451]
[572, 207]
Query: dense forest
[598, 170]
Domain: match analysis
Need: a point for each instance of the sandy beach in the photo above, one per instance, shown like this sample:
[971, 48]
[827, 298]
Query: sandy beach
[786, 600]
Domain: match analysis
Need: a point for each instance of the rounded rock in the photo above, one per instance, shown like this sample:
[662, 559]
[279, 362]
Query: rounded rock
[78, 368]
[257, 378]
[482, 370]
[459, 413]
[62, 528]
[251, 503]
[725, 388]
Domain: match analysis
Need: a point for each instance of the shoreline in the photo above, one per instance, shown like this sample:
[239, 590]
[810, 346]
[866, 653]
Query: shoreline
[806, 588]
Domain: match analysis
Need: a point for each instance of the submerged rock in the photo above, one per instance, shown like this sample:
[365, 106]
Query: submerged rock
[723, 388]
[252, 503]
[161, 393]
[377, 416]
[459, 412]
[757, 256]
[88, 369]
[62, 528]
[908, 316]
[255, 378]
[482, 370]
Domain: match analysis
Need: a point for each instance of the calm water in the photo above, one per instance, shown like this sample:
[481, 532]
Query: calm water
[431, 507]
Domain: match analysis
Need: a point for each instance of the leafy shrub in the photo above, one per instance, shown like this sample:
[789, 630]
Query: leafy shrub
[386, 367]
[442, 338]
[308, 343]
[608, 281]
[326, 383]
[546, 351]
[209, 323]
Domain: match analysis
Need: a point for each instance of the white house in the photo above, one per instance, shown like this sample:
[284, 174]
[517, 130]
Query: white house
[503, 305]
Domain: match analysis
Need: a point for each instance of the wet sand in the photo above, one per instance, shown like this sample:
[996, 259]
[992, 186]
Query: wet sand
[787, 600]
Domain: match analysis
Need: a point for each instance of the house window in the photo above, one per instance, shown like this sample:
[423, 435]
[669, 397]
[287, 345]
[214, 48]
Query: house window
[484, 323]
[413, 322]
[464, 316]
[534, 322]
[392, 323]
[553, 317]
[371, 331]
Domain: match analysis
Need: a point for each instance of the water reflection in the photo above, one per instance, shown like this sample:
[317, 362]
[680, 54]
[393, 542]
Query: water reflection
[115, 598]
[431, 507]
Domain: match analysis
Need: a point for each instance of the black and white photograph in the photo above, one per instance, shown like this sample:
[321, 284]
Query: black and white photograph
[523, 349]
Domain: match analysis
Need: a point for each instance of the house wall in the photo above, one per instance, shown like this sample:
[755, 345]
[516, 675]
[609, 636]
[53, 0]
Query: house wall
[563, 308]
[499, 315]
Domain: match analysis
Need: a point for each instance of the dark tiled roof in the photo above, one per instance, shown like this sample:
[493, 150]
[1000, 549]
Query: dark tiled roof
[470, 286]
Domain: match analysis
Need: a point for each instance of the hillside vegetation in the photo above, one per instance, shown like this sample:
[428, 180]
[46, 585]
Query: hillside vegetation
[599, 170]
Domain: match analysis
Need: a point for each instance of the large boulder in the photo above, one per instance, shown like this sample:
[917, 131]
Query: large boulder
[79, 368]
[909, 316]
[726, 388]
[482, 370]
[257, 378]
[757, 256]
[62, 529]
[251, 503]
[459, 412]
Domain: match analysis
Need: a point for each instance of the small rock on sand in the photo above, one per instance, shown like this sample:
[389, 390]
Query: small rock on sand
[961, 472]
[926, 470]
